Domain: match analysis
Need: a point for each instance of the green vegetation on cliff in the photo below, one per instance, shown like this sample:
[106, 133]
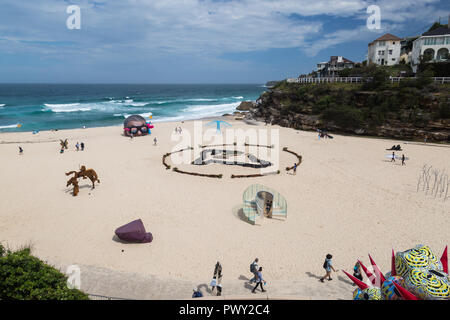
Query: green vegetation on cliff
[411, 105]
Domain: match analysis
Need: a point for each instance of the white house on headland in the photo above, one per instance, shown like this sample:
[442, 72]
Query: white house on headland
[385, 51]
[433, 45]
[332, 67]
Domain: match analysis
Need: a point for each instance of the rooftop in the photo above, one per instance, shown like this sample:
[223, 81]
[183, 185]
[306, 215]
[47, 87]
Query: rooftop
[437, 32]
[386, 37]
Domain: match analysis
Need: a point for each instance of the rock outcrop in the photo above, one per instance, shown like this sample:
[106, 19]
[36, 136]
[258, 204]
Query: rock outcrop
[396, 113]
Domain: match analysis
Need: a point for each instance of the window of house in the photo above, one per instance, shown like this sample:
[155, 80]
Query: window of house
[390, 51]
[381, 43]
[430, 41]
[440, 40]
[393, 59]
[393, 42]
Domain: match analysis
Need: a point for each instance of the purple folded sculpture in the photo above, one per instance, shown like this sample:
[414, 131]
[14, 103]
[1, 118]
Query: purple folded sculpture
[134, 232]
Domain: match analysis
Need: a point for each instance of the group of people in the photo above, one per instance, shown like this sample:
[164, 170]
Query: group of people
[328, 266]
[80, 145]
[403, 158]
[216, 282]
[258, 279]
[257, 276]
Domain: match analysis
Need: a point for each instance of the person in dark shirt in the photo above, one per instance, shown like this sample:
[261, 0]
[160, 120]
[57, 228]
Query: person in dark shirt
[197, 293]
[259, 281]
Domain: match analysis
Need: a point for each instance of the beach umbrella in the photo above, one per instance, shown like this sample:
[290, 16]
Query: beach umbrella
[218, 124]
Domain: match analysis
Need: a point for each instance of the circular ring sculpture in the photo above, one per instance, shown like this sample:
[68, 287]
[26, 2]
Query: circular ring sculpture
[222, 156]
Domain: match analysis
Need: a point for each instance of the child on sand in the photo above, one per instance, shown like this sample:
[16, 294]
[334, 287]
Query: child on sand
[155, 141]
[82, 146]
[328, 266]
[393, 157]
[295, 168]
[77, 146]
[20, 150]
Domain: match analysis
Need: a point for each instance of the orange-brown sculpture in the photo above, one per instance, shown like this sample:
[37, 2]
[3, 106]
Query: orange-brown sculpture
[83, 173]
[74, 182]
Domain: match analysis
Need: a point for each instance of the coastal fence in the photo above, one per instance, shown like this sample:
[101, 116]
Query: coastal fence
[435, 182]
[307, 80]
[100, 297]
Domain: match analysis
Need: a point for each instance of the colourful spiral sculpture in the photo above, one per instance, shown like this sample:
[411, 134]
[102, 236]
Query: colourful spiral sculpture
[415, 274]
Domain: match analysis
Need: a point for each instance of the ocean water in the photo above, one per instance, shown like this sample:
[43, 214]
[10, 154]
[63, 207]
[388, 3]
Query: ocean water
[29, 107]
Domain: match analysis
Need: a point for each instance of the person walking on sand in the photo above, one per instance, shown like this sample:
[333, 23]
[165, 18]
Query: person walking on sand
[77, 146]
[393, 157]
[217, 277]
[328, 266]
[20, 150]
[155, 141]
[403, 160]
[254, 270]
[82, 146]
[259, 281]
[295, 169]
[218, 270]
[357, 271]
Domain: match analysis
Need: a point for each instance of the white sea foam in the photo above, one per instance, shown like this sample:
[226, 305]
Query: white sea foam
[2, 105]
[197, 100]
[67, 107]
[9, 126]
[211, 109]
[145, 115]
[105, 106]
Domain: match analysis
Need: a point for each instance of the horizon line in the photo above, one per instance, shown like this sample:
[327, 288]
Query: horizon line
[142, 83]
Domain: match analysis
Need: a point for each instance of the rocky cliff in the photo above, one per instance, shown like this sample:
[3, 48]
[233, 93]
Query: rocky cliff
[404, 112]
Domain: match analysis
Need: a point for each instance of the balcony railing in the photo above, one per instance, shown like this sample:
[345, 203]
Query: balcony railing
[440, 80]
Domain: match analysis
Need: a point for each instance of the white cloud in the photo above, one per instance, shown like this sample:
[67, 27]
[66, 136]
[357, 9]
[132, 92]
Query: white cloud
[199, 27]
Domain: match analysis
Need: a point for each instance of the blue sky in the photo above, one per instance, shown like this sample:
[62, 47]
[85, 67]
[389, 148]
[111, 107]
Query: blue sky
[193, 41]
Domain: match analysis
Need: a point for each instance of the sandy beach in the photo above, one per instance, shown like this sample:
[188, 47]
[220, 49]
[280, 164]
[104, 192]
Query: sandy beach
[346, 199]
